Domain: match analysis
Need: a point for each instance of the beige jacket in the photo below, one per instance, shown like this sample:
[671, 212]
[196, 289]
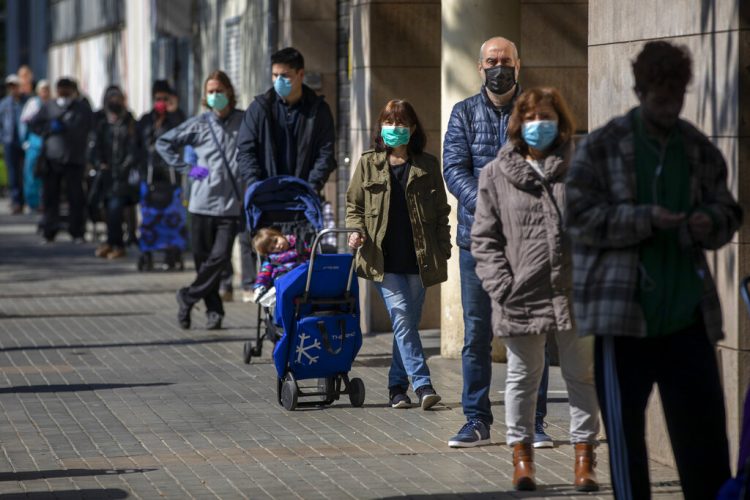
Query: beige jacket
[522, 255]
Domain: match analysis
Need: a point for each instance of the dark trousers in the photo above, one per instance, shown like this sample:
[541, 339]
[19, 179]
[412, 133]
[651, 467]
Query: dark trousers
[115, 216]
[247, 261]
[476, 355]
[212, 239]
[683, 366]
[14, 165]
[73, 176]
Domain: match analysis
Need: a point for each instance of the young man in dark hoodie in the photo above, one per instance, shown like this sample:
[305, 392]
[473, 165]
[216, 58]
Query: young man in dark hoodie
[288, 130]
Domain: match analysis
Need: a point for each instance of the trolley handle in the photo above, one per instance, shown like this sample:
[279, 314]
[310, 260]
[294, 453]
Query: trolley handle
[313, 252]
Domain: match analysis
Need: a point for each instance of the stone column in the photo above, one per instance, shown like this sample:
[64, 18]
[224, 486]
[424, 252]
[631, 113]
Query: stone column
[466, 25]
[716, 34]
[395, 53]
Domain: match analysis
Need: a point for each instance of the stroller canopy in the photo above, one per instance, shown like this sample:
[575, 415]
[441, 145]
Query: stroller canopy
[283, 193]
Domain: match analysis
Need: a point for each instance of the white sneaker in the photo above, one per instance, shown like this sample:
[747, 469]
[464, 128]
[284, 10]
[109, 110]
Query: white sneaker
[269, 298]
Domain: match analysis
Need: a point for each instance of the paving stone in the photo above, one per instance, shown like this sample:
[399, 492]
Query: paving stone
[102, 394]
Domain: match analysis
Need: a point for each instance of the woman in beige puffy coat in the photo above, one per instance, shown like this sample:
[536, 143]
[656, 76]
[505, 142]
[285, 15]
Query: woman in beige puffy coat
[523, 261]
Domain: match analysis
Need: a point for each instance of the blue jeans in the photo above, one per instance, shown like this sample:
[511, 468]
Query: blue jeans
[14, 167]
[476, 356]
[403, 295]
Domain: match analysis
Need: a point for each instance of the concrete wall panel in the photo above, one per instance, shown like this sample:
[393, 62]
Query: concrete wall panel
[613, 21]
[554, 34]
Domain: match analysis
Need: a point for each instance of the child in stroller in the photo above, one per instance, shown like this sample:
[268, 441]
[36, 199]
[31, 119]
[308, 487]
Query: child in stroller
[281, 255]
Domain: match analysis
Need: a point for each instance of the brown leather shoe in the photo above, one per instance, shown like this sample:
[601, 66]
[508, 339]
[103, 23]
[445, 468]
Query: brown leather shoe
[102, 250]
[523, 463]
[116, 253]
[584, 468]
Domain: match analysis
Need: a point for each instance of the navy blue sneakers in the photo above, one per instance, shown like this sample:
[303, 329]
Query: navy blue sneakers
[398, 398]
[473, 433]
[541, 439]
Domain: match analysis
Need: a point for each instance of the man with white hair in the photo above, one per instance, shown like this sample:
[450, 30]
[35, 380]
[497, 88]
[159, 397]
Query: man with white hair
[476, 132]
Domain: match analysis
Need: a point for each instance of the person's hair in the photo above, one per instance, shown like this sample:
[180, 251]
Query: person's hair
[528, 101]
[402, 112]
[161, 86]
[67, 83]
[264, 239]
[289, 56]
[111, 91]
[222, 78]
[41, 84]
[662, 63]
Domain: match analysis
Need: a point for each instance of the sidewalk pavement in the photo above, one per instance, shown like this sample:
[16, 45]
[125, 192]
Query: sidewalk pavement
[102, 395]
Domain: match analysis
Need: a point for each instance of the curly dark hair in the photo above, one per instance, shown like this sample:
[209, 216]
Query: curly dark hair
[528, 101]
[400, 112]
[662, 63]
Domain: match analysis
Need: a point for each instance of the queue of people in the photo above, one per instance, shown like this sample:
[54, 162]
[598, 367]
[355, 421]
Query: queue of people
[598, 242]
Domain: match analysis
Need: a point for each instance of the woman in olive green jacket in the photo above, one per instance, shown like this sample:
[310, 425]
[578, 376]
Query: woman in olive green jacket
[397, 200]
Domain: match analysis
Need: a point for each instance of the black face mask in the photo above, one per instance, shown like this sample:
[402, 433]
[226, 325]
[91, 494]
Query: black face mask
[500, 79]
[115, 107]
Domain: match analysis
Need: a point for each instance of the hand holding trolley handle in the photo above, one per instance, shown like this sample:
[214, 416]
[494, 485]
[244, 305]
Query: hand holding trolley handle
[356, 239]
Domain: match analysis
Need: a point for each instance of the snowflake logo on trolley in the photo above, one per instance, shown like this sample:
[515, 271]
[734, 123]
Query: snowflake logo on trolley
[302, 349]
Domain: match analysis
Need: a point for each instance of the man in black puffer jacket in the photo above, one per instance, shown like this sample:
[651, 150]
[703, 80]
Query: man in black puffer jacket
[289, 129]
[476, 132]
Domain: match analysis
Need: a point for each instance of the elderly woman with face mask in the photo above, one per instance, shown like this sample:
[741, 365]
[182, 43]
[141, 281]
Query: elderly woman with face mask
[523, 262]
[397, 200]
[210, 144]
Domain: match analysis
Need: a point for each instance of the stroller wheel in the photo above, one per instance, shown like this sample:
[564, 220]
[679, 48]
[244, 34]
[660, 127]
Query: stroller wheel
[247, 352]
[356, 392]
[289, 394]
[256, 351]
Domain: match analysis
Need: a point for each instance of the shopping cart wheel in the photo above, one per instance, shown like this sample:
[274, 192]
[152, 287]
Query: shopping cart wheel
[247, 352]
[289, 394]
[356, 392]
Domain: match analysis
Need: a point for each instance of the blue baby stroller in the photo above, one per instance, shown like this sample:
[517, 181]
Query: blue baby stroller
[317, 307]
[290, 205]
[162, 222]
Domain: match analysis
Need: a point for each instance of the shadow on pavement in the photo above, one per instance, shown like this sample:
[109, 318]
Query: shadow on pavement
[543, 491]
[18, 389]
[31, 475]
[82, 493]
[174, 342]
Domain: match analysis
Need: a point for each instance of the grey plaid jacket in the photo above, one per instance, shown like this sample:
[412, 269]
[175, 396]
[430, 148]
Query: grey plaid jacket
[607, 226]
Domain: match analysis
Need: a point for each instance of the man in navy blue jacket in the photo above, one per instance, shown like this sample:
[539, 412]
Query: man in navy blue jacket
[476, 132]
[288, 130]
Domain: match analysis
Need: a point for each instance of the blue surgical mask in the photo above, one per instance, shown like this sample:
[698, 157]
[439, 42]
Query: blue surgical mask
[283, 86]
[217, 101]
[395, 136]
[539, 134]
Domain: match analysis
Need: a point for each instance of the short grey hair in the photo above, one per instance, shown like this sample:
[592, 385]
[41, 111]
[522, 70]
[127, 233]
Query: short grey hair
[481, 49]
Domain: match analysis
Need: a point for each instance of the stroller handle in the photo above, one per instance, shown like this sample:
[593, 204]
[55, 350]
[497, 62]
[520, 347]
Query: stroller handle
[313, 251]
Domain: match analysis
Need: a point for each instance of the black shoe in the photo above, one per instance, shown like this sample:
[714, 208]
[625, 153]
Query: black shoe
[427, 397]
[213, 320]
[398, 397]
[183, 311]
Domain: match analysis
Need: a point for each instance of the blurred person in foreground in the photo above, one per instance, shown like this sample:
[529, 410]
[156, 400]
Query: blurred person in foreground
[646, 197]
